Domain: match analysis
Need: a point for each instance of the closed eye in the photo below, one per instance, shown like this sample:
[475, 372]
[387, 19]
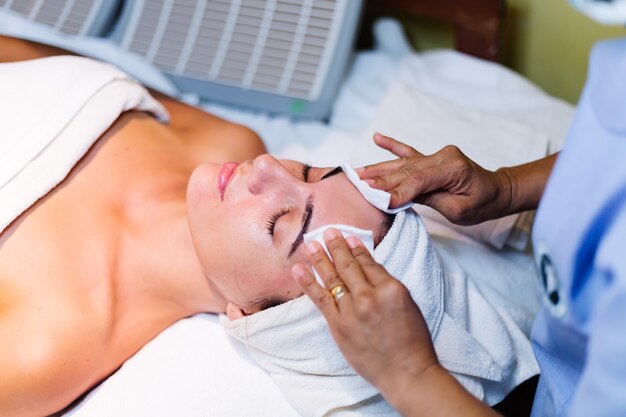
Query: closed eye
[271, 223]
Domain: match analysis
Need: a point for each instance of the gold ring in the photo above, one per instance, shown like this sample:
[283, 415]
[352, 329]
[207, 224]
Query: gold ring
[338, 291]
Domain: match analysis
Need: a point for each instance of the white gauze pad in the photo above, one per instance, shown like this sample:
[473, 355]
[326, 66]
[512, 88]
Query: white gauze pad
[378, 198]
[365, 236]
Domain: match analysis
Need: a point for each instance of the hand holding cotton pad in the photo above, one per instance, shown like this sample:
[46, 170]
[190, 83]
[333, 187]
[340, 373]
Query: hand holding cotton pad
[365, 236]
[378, 198]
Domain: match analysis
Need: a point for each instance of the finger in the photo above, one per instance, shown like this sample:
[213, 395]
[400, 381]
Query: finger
[412, 169]
[415, 184]
[346, 265]
[395, 147]
[452, 206]
[323, 265]
[380, 168]
[375, 272]
[320, 296]
[387, 182]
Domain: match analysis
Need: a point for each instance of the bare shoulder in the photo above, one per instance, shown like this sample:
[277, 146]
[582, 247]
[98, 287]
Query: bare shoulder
[216, 138]
[13, 50]
[240, 142]
[44, 366]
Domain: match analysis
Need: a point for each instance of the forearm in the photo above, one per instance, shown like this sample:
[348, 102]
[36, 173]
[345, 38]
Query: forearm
[434, 393]
[523, 185]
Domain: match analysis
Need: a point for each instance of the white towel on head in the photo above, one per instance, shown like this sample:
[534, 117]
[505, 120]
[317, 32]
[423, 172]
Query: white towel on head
[52, 111]
[293, 344]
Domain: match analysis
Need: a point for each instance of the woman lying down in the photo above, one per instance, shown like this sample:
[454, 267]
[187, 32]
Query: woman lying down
[114, 225]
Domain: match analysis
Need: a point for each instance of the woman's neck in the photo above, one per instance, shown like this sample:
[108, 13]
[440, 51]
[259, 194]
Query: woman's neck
[159, 275]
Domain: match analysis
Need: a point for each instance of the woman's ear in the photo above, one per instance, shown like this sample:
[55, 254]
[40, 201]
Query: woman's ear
[234, 312]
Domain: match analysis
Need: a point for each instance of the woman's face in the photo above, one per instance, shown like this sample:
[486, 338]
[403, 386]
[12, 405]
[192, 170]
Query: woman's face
[247, 222]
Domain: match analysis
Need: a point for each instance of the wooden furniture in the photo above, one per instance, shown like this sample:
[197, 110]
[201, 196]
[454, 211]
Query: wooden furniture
[477, 23]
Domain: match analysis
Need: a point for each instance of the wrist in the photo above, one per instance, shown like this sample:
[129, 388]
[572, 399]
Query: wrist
[506, 191]
[394, 388]
[435, 393]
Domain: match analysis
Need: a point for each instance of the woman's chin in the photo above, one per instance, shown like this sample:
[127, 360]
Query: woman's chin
[202, 186]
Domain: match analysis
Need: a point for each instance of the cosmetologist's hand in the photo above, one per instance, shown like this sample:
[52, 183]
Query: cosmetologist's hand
[381, 331]
[447, 181]
[376, 323]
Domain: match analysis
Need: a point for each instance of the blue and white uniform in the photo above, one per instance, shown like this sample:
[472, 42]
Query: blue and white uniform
[580, 246]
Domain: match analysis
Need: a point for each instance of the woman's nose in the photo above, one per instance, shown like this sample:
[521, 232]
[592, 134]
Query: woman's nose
[267, 173]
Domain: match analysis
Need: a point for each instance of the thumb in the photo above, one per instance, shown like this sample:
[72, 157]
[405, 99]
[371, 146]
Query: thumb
[426, 181]
[402, 195]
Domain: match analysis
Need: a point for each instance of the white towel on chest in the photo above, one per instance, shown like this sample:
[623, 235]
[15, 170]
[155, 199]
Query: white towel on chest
[51, 112]
[472, 340]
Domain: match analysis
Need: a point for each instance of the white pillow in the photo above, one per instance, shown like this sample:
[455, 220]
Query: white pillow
[191, 369]
[429, 123]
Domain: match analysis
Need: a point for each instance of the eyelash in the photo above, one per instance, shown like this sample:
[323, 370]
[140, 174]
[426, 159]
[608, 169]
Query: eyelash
[305, 172]
[271, 223]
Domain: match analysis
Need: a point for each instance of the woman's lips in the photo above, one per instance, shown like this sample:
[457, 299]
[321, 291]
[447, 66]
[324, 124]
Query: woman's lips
[224, 177]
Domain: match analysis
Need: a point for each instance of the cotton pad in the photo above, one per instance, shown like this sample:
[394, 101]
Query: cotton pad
[378, 198]
[365, 236]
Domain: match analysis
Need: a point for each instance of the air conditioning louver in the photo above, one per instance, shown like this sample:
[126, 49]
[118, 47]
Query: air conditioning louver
[72, 17]
[275, 46]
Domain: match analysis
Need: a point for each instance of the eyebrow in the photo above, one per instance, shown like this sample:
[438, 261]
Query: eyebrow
[329, 174]
[307, 214]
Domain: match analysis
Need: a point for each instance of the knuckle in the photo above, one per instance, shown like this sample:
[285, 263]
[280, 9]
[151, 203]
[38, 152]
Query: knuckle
[361, 254]
[381, 182]
[334, 244]
[400, 193]
[318, 257]
[415, 181]
[409, 168]
[331, 276]
[365, 305]
[345, 265]
[393, 289]
[323, 267]
[461, 166]
[451, 150]
[319, 299]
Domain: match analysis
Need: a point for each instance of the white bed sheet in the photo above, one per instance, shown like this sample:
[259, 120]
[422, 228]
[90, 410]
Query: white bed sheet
[192, 368]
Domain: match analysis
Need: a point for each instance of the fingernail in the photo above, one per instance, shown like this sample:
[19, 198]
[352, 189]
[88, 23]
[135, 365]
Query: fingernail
[370, 181]
[312, 248]
[297, 271]
[354, 242]
[331, 234]
[359, 170]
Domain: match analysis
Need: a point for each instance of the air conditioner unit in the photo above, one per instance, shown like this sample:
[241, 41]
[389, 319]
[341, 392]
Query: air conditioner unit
[280, 56]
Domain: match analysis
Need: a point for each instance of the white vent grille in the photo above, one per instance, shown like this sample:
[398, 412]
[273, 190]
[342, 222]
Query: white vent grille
[276, 46]
[72, 17]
